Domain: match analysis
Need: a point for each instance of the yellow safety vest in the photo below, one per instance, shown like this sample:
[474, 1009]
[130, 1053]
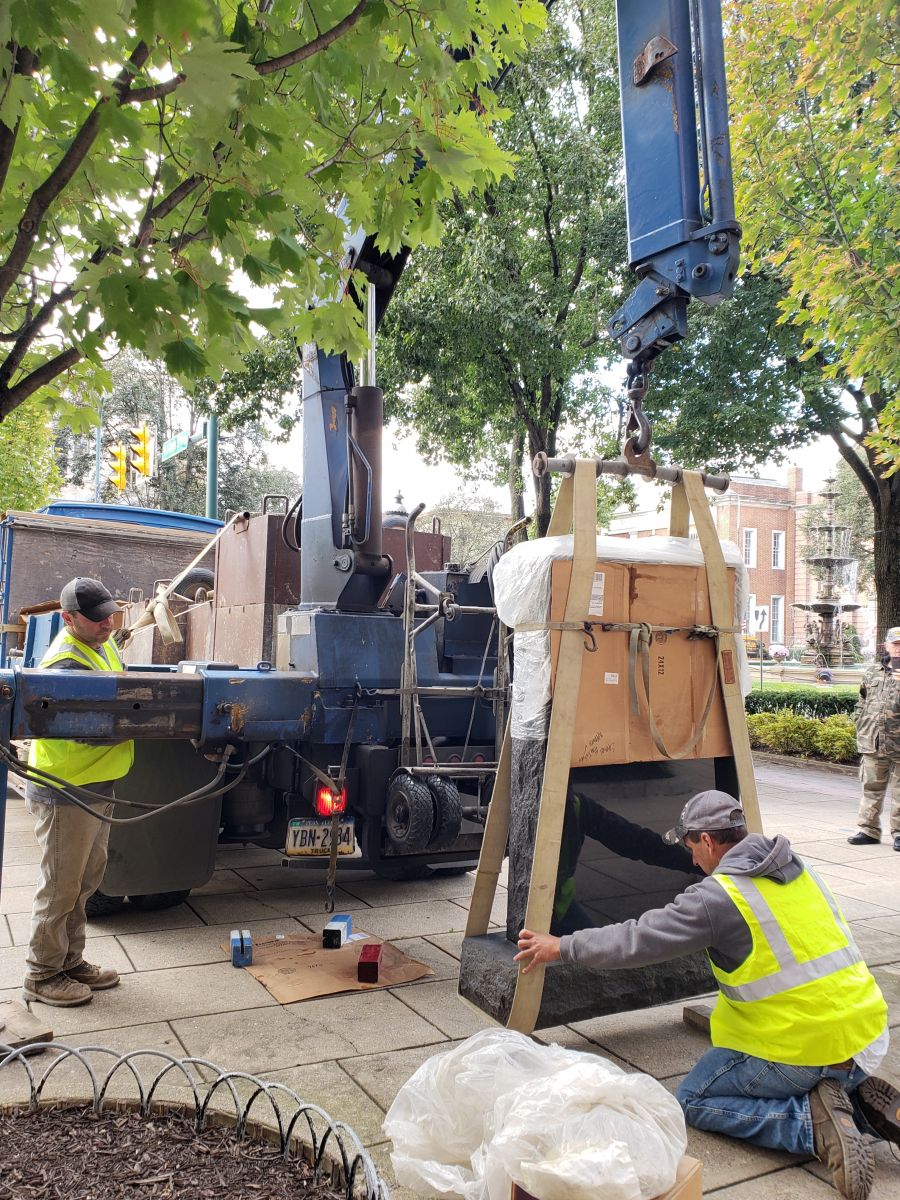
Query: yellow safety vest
[803, 995]
[77, 762]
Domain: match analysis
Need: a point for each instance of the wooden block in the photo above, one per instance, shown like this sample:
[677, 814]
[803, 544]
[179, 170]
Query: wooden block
[697, 1016]
[21, 1027]
[688, 1184]
[369, 963]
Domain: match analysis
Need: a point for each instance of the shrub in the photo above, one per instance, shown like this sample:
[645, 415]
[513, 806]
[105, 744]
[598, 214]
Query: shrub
[836, 738]
[788, 732]
[805, 701]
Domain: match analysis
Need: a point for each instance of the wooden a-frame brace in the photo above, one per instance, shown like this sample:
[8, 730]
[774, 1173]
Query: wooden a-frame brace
[575, 511]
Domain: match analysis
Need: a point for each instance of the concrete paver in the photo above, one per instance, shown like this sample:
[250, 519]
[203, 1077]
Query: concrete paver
[105, 950]
[441, 1004]
[351, 1053]
[158, 949]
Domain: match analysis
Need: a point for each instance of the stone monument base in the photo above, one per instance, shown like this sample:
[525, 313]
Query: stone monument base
[487, 979]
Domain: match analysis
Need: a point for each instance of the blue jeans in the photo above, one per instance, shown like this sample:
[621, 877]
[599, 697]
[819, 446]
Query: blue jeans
[762, 1102]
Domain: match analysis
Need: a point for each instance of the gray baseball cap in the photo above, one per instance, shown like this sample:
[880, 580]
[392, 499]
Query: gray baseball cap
[88, 597]
[705, 813]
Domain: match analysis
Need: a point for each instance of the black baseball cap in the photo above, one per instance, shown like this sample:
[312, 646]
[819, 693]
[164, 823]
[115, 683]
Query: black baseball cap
[707, 812]
[88, 597]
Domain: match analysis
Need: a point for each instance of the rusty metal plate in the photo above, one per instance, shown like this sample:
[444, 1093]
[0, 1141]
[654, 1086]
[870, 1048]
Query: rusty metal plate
[254, 566]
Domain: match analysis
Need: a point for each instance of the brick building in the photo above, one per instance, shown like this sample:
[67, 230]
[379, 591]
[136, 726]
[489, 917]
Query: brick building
[764, 518]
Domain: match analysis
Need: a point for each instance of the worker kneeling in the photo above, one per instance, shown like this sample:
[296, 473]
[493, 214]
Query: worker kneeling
[799, 1024]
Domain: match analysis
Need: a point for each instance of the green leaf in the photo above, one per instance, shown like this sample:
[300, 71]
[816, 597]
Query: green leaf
[185, 358]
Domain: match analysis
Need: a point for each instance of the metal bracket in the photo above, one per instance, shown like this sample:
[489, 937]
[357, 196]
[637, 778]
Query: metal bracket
[657, 50]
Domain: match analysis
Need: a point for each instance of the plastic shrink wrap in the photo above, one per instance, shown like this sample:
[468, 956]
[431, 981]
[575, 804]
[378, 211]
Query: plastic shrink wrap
[522, 595]
[501, 1109]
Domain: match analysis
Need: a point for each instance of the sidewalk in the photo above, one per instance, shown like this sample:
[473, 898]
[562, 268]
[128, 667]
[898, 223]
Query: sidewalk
[351, 1053]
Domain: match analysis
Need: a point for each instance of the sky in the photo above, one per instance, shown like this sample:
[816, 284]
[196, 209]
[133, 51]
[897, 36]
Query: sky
[419, 482]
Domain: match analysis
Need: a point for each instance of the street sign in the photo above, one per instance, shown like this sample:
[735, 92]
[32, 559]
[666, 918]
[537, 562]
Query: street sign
[179, 442]
[759, 619]
[175, 445]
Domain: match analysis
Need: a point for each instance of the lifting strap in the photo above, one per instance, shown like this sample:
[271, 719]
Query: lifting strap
[721, 608]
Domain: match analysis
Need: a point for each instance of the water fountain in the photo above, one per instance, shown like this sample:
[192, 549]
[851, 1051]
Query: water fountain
[826, 645]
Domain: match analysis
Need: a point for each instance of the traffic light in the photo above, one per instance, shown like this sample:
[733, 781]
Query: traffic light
[119, 473]
[142, 451]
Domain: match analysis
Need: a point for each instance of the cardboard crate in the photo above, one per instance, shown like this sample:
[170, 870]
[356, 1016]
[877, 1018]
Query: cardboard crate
[681, 670]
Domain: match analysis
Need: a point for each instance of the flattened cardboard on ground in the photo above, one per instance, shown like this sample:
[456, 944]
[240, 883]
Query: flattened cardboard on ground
[681, 670]
[296, 967]
[19, 1027]
[688, 1184]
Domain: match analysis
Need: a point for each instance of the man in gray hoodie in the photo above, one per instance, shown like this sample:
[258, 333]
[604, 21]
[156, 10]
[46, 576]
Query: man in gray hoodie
[799, 1023]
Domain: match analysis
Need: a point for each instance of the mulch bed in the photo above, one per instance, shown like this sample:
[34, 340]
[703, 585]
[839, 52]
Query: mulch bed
[72, 1153]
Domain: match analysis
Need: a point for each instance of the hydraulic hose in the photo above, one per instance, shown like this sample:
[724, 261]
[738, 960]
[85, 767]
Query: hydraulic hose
[74, 793]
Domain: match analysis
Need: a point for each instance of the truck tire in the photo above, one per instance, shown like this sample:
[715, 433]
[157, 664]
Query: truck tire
[200, 579]
[157, 900]
[101, 905]
[447, 812]
[409, 814]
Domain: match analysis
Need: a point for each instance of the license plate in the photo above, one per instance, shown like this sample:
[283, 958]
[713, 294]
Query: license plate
[309, 836]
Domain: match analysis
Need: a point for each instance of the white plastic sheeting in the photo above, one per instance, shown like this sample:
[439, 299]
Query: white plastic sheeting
[522, 596]
[562, 1124]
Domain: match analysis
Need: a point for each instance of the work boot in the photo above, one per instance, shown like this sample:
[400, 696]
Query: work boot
[879, 1103]
[96, 978]
[59, 990]
[863, 839]
[838, 1143]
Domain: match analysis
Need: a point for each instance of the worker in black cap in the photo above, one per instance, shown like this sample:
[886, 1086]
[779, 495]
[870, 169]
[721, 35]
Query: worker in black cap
[800, 1023]
[73, 842]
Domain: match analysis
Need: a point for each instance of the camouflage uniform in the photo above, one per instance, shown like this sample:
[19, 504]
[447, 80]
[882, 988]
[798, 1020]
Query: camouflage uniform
[877, 719]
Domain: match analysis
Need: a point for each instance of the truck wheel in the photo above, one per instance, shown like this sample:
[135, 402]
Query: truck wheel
[200, 579]
[156, 900]
[447, 811]
[101, 905]
[409, 814]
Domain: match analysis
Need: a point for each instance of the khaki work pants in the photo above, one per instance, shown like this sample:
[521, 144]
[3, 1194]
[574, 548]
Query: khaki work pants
[875, 775]
[73, 860]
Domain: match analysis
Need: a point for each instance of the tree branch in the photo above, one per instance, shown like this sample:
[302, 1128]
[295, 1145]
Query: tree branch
[43, 196]
[11, 398]
[156, 92]
[857, 466]
[322, 42]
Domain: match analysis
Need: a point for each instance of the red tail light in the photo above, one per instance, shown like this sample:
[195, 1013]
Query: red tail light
[328, 803]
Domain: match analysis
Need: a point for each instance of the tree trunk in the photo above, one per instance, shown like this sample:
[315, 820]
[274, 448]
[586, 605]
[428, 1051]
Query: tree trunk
[514, 478]
[538, 440]
[887, 553]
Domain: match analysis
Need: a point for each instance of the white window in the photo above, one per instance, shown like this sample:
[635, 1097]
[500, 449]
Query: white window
[776, 619]
[778, 550]
[751, 605]
[749, 547]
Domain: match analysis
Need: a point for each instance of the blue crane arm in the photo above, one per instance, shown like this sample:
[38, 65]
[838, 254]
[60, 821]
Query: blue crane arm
[683, 239]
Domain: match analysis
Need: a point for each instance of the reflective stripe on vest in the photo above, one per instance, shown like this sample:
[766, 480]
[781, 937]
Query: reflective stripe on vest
[791, 972]
[65, 645]
[81, 762]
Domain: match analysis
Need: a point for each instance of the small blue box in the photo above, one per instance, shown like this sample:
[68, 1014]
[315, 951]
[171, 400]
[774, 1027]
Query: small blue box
[337, 932]
[241, 948]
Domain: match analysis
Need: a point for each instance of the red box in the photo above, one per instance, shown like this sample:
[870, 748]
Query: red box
[369, 963]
